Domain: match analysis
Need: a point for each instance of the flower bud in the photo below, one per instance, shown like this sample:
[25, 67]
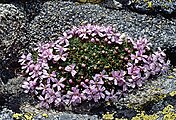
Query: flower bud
[86, 58]
[126, 58]
[129, 51]
[98, 62]
[95, 68]
[83, 65]
[112, 62]
[106, 39]
[116, 48]
[107, 67]
[60, 68]
[109, 58]
[85, 50]
[71, 81]
[126, 49]
[102, 46]
[102, 51]
[86, 80]
[109, 42]
[115, 52]
[122, 36]
[97, 40]
[122, 57]
[82, 83]
[74, 48]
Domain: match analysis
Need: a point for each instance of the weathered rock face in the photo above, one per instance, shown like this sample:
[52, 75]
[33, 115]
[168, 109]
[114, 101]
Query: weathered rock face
[13, 95]
[165, 7]
[90, 1]
[55, 17]
[12, 39]
[12, 27]
[20, 29]
[14, 34]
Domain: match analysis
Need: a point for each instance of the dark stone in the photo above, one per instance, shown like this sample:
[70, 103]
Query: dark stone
[171, 55]
[125, 112]
[157, 8]
[2, 100]
[152, 107]
[13, 96]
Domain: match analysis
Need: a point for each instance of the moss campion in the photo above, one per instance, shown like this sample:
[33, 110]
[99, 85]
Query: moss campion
[87, 63]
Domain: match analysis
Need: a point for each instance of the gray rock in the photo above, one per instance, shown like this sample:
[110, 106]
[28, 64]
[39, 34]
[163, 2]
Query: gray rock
[54, 115]
[112, 4]
[6, 114]
[12, 39]
[165, 8]
[58, 16]
[13, 95]
[12, 29]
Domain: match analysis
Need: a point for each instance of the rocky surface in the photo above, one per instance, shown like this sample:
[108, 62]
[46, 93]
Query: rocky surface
[165, 7]
[151, 98]
[56, 17]
[13, 95]
[26, 24]
[12, 39]
[12, 28]
[66, 14]
[7, 114]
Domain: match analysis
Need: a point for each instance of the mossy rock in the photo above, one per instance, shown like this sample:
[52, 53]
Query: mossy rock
[154, 91]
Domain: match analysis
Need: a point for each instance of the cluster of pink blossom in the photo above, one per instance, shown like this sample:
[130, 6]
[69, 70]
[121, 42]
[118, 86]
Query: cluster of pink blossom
[54, 79]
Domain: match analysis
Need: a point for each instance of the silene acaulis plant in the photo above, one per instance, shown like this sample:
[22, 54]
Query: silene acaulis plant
[89, 63]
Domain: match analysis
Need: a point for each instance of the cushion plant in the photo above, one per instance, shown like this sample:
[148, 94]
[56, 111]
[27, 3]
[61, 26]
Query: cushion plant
[89, 63]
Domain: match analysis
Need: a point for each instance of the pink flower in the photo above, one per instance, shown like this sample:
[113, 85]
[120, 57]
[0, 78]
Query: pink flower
[29, 86]
[118, 77]
[87, 93]
[44, 88]
[42, 47]
[49, 77]
[89, 28]
[142, 44]
[70, 68]
[64, 39]
[28, 67]
[59, 99]
[139, 56]
[24, 58]
[98, 92]
[135, 81]
[111, 95]
[44, 101]
[133, 70]
[60, 47]
[61, 55]
[36, 72]
[46, 54]
[59, 84]
[135, 73]
[155, 68]
[83, 33]
[52, 95]
[75, 96]
[101, 76]
[96, 82]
